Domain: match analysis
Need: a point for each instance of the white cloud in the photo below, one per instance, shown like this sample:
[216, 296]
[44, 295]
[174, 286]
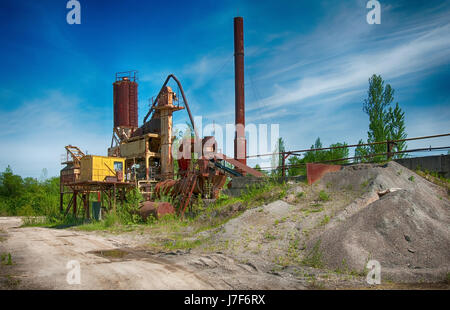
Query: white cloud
[34, 134]
[429, 50]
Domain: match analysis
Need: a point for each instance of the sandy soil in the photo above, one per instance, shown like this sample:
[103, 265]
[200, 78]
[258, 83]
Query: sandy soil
[272, 246]
[40, 256]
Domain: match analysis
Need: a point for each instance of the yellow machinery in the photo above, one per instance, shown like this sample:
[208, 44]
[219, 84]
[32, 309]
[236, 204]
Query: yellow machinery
[102, 168]
[88, 174]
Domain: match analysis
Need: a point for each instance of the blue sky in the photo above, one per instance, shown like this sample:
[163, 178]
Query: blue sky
[307, 65]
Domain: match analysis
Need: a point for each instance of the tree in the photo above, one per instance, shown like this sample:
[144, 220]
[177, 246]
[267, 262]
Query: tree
[297, 164]
[326, 155]
[11, 185]
[385, 122]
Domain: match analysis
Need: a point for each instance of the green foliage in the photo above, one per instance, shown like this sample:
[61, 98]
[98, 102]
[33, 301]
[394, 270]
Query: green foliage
[6, 259]
[385, 122]
[314, 257]
[127, 212]
[297, 164]
[300, 194]
[325, 220]
[264, 192]
[323, 196]
[27, 196]
[326, 155]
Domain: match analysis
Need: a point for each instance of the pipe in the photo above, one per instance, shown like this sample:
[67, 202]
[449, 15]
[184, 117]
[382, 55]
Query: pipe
[239, 141]
[184, 100]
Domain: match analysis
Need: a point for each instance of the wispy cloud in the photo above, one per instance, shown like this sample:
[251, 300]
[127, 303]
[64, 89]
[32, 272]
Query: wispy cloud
[314, 83]
[34, 134]
[428, 50]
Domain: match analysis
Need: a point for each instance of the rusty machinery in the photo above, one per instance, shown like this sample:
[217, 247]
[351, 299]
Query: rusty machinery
[147, 150]
[86, 174]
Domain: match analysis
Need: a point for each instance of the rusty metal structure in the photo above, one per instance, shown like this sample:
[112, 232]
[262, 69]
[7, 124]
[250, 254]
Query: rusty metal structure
[147, 150]
[150, 163]
[240, 153]
[125, 103]
[108, 190]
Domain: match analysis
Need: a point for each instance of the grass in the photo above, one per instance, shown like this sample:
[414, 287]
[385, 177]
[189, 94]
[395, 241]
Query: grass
[365, 183]
[435, 178]
[323, 196]
[172, 245]
[314, 257]
[269, 236]
[345, 270]
[6, 259]
[313, 284]
[411, 178]
[325, 220]
[172, 232]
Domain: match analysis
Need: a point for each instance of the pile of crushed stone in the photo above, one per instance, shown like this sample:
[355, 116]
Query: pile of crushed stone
[402, 221]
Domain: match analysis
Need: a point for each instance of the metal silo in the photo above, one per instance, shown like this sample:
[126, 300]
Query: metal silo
[125, 96]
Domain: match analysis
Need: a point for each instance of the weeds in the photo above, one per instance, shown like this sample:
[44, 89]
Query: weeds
[435, 178]
[182, 244]
[300, 195]
[269, 236]
[325, 220]
[6, 259]
[323, 196]
[314, 258]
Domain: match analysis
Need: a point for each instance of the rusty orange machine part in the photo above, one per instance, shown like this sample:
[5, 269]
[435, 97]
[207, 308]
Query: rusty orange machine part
[157, 209]
[315, 172]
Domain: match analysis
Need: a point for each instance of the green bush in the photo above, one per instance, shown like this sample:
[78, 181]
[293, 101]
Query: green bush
[27, 196]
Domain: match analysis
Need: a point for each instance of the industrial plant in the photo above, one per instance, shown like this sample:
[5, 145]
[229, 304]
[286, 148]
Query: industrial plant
[142, 156]
[157, 206]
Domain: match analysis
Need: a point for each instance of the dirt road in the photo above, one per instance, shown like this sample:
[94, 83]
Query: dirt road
[40, 257]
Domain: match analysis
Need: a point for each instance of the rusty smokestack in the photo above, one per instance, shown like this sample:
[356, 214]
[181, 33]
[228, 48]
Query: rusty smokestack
[239, 140]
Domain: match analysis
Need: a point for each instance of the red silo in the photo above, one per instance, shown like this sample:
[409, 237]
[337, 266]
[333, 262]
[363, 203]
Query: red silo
[125, 94]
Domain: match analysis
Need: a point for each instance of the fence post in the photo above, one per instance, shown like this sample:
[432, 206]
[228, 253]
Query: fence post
[283, 164]
[389, 149]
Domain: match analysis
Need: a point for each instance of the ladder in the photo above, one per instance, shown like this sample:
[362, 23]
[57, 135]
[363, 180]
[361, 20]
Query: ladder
[74, 152]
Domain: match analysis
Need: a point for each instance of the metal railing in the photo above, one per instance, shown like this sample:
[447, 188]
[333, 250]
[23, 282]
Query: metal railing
[390, 144]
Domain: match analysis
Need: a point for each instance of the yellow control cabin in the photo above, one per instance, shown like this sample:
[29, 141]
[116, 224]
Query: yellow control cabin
[101, 168]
